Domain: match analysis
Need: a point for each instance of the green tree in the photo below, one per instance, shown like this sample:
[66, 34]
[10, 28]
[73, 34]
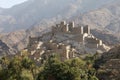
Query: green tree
[75, 69]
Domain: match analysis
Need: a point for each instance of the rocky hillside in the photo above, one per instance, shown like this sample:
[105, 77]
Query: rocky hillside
[14, 38]
[19, 39]
[106, 36]
[5, 49]
[110, 64]
[114, 53]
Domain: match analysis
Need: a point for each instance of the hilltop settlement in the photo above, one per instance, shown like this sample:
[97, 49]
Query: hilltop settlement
[67, 41]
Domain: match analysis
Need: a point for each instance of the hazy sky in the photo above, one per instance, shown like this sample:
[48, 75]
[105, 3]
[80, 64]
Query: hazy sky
[9, 3]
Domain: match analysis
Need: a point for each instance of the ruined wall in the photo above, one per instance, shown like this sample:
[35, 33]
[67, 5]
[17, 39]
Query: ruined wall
[91, 45]
[50, 46]
[65, 28]
[63, 50]
[61, 37]
[86, 29]
[71, 24]
[92, 40]
[78, 38]
[70, 28]
[77, 30]
[57, 28]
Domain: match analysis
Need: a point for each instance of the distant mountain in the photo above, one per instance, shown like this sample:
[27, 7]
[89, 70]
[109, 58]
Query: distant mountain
[27, 14]
[106, 17]
[37, 16]
[1, 9]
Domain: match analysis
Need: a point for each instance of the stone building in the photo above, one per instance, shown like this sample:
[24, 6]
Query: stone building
[66, 40]
[44, 49]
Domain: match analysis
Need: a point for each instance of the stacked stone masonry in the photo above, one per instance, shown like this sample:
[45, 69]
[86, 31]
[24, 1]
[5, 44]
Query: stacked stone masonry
[66, 40]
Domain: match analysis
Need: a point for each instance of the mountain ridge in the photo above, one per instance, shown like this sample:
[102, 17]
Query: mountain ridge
[26, 14]
[101, 19]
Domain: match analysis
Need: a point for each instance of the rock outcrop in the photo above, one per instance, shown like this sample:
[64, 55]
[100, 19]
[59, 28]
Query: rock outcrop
[5, 49]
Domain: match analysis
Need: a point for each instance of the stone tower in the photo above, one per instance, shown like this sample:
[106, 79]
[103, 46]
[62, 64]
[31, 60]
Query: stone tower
[71, 24]
[86, 29]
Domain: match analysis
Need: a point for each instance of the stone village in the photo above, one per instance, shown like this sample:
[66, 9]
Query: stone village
[66, 40]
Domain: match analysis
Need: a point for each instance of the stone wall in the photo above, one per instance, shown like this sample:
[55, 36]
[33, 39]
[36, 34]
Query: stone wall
[65, 40]
[92, 41]
[77, 30]
[70, 28]
[86, 29]
[78, 38]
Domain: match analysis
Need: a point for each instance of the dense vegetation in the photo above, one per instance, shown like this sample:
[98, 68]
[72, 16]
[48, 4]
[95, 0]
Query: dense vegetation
[23, 68]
